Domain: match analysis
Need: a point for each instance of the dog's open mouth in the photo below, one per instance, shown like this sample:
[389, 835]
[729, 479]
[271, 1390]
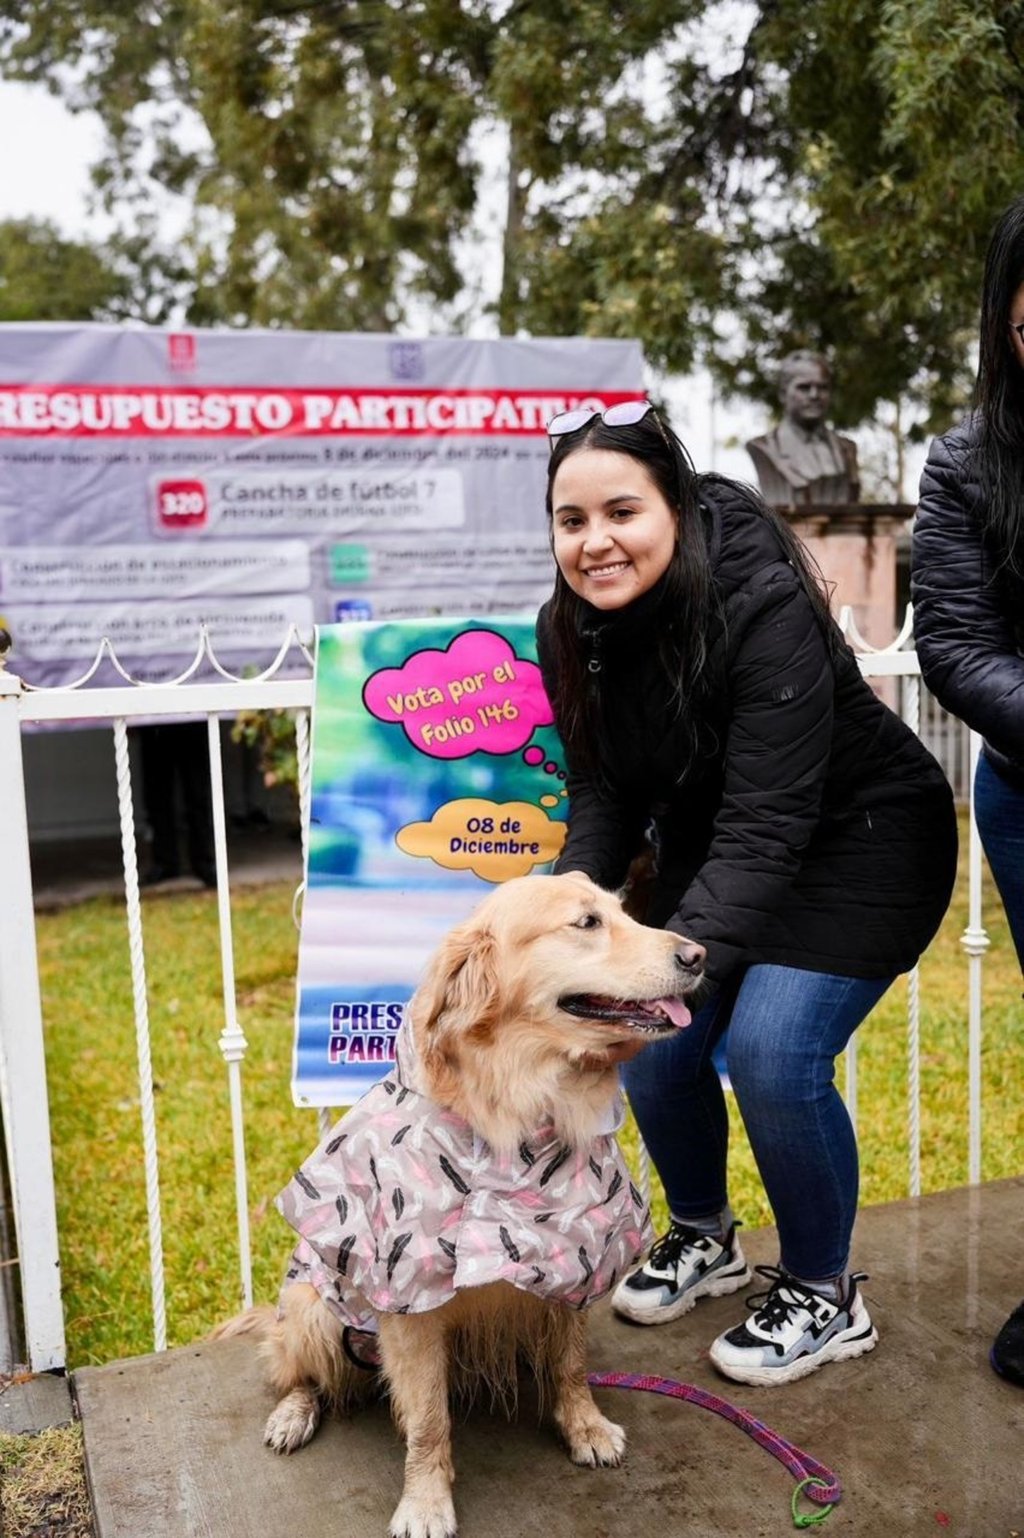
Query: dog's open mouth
[640, 1014]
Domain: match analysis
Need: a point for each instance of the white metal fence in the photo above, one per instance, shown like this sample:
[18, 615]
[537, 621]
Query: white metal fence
[23, 1091]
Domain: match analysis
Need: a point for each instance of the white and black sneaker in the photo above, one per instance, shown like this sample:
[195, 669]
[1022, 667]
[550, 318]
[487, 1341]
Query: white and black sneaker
[793, 1331]
[683, 1265]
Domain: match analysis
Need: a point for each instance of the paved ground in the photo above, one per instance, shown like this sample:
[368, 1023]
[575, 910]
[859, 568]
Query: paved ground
[31, 1402]
[68, 873]
[925, 1439]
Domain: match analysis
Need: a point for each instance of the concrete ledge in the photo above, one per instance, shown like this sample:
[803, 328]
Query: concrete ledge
[923, 1435]
[33, 1403]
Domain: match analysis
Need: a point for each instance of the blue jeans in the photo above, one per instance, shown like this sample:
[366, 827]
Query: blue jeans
[786, 1028]
[999, 813]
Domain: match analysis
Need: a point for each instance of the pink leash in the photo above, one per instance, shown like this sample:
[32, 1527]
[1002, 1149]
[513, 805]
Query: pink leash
[816, 1481]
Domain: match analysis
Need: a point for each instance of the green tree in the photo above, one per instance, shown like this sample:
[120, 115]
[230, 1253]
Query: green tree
[827, 178]
[331, 152]
[45, 276]
[896, 141]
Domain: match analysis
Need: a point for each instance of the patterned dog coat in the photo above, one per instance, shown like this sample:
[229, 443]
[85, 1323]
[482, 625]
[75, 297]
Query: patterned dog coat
[402, 1204]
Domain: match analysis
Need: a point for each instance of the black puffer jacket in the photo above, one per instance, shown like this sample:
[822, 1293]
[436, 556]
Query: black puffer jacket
[810, 827]
[968, 606]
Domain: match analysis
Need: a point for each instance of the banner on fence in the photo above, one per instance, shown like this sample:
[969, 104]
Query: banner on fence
[153, 481]
[436, 772]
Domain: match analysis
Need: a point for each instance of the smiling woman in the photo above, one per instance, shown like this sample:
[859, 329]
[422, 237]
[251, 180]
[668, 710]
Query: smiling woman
[610, 549]
[714, 719]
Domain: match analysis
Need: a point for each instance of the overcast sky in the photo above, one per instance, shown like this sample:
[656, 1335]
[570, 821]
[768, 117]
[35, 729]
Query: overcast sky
[46, 159]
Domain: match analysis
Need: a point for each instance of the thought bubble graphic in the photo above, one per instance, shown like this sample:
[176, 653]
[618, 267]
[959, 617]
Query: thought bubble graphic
[493, 839]
[475, 697]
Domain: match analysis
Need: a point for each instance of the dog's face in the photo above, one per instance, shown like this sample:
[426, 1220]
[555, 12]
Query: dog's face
[548, 981]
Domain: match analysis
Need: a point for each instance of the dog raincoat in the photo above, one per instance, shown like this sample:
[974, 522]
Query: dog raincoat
[402, 1204]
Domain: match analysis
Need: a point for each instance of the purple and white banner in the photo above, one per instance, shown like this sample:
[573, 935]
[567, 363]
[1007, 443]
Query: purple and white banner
[154, 481]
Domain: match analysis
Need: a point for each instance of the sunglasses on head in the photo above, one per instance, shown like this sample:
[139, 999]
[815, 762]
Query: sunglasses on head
[625, 414]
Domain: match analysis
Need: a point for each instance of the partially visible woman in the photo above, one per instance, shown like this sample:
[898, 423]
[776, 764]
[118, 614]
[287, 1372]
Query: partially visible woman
[967, 583]
[801, 833]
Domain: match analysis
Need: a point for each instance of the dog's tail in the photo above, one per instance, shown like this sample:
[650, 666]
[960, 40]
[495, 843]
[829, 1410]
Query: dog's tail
[258, 1321]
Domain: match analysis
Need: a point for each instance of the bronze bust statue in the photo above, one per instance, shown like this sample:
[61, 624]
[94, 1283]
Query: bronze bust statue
[802, 462]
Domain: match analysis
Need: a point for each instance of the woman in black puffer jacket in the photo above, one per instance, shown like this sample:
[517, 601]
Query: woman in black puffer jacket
[968, 591]
[803, 835]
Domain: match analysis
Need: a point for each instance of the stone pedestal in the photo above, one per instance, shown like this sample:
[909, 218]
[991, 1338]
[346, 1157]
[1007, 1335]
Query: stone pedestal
[856, 545]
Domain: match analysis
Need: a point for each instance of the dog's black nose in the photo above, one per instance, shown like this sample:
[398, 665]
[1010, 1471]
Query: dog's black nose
[690, 957]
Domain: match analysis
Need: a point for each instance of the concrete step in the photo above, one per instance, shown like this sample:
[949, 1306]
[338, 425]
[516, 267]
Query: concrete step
[32, 1402]
[923, 1436]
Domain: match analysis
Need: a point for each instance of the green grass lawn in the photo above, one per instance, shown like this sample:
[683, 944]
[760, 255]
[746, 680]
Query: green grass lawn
[94, 1104]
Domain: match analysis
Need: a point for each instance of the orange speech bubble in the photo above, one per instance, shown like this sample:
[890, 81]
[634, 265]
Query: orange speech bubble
[493, 839]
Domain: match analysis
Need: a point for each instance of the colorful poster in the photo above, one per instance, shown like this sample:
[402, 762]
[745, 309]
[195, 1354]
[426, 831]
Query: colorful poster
[152, 482]
[436, 772]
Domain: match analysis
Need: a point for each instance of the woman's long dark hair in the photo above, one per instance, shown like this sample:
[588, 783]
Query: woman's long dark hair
[999, 393]
[688, 601]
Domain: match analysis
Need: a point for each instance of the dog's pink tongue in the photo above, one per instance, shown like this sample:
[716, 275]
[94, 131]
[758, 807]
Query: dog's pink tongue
[676, 1011]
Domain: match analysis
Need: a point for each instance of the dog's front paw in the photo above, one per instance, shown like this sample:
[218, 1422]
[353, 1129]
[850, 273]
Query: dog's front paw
[596, 1443]
[418, 1518]
[293, 1421]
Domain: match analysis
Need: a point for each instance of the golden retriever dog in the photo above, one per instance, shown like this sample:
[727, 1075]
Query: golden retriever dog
[474, 1202]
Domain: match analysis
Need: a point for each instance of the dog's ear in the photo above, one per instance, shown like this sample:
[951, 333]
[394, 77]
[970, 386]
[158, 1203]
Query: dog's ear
[459, 993]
